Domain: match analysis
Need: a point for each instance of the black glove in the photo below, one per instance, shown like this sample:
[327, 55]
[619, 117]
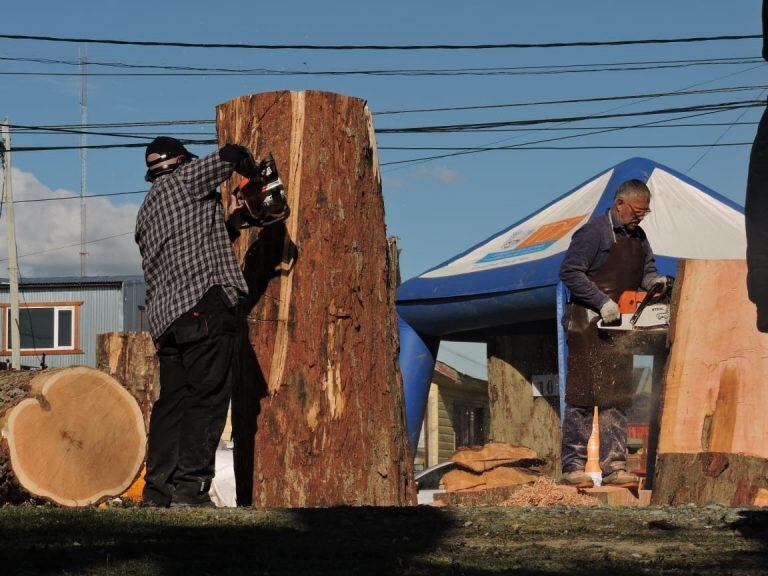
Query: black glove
[241, 157]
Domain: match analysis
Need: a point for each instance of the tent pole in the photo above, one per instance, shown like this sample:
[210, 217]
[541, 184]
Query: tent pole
[562, 348]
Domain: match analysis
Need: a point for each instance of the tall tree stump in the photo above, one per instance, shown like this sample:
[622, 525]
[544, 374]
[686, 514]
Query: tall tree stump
[714, 424]
[330, 425]
[73, 436]
[129, 357]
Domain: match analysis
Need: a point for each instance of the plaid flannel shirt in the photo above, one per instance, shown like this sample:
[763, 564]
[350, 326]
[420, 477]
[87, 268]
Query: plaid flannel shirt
[184, 243]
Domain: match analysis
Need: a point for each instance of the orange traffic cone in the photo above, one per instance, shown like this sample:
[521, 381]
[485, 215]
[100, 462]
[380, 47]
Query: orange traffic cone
[593, 452]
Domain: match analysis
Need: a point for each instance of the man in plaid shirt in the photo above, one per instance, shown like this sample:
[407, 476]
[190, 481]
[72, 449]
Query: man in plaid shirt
[196, 297]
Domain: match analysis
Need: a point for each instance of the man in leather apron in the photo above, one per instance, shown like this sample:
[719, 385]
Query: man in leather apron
[609, 255]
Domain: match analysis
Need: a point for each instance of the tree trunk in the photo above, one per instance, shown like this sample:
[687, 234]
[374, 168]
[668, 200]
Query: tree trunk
[73, 436]
[330, 426]
[518, 417]
[129, 357]
[715, 395]
[729, 479]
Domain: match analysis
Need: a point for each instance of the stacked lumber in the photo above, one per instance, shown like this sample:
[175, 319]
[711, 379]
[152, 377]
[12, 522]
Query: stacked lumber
[73, 436]
[495, 465]
[714, 425]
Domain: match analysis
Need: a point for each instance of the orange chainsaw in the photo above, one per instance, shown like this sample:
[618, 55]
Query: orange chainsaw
[263, 196]
[640, 310]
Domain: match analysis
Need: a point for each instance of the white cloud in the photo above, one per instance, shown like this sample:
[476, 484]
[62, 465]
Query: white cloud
[41, 226]
[441, 174]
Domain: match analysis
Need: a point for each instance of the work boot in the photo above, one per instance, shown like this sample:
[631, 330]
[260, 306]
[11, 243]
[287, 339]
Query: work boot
[621, 478]
[577, 479]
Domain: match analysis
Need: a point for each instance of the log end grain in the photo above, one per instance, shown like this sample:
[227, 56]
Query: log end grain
[79, 438]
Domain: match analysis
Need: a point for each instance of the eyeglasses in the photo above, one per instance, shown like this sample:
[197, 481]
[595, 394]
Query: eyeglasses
[638, 212]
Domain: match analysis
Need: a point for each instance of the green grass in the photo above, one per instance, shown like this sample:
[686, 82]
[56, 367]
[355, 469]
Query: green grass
[476, 542]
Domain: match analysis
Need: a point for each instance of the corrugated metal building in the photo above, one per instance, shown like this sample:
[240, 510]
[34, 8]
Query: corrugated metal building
[60, 317]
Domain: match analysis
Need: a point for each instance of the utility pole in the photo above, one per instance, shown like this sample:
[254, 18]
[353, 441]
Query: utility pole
[13, 270]
[83, 153]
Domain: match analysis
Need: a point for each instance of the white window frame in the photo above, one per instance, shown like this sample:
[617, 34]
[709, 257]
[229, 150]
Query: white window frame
[56, 310]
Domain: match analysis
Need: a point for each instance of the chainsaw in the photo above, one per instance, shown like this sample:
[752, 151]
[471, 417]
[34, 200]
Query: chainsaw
[263, 196]
[643, 311]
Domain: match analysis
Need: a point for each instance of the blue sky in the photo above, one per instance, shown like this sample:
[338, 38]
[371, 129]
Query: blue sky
[436, 208]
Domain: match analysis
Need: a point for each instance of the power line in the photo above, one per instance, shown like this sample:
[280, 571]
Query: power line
[342, 47]
[47, 132]
[480, 125]
[77, 129]
[715, 107]
[717, 141]
[414, 161]
[499, 71]
[463, 356]
[395, 71]
[594, 147]
[531, 143]
[576, 100]
[483, 131]
[100, 146]
[78, 197]
[76, 244]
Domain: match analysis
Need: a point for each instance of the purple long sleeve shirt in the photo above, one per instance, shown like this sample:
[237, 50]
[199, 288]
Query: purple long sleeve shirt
[589, 251]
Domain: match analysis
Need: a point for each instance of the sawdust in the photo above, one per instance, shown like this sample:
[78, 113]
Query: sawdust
[545, 493]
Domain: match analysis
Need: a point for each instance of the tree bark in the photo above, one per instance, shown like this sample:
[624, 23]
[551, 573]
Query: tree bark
[129, 357]
[73, 436]
[518, 417]
[715, 395]
[705, 477]
[324, 412]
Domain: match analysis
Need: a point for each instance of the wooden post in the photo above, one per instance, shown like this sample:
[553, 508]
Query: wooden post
[517, 416]
[714, 424]
[73, 436]
[330, 426]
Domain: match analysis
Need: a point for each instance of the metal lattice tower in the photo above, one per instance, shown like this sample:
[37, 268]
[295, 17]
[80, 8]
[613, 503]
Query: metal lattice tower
[83, 153]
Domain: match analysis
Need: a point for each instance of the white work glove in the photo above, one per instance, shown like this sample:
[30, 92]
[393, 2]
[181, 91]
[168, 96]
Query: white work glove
[609, 312]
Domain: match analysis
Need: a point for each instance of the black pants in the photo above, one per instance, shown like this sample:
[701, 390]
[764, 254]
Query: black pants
[199, 362]
[577, 428]
[756, 220]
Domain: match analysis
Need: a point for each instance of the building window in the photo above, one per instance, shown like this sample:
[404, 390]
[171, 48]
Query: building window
[469, 425]
[44, 327]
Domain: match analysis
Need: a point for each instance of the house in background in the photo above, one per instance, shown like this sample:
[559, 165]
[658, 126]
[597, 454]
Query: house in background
[60, 317]
[457, 415]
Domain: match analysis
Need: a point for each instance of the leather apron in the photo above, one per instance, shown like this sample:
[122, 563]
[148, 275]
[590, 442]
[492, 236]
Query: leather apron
[600, 362]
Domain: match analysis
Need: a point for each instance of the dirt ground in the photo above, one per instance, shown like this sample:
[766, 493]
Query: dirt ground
[419, 540]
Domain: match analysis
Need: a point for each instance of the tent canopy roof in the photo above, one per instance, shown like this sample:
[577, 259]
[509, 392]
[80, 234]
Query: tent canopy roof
[688, 221]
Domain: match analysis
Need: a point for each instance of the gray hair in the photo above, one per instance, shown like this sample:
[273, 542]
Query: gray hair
[633, 188]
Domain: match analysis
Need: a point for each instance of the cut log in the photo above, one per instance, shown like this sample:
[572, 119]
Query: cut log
[517, 416]
[465, 481]
[330, 429]
[708, 477]
[73, 436]
[714, 424]
[129, 357]
[494, 454]
[761, 498]
[489, 497]
[613, 496]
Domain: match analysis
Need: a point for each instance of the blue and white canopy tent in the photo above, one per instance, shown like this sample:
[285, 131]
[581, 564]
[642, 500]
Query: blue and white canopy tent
[512, 277]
